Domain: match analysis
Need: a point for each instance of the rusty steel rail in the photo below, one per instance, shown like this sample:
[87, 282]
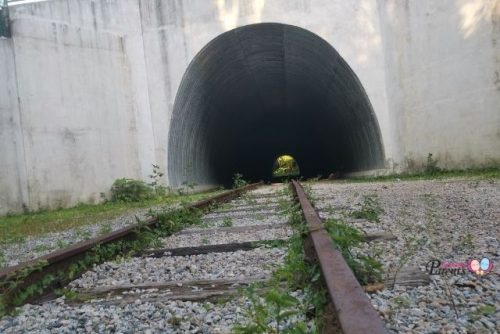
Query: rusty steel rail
[62, 259]
[353, 309]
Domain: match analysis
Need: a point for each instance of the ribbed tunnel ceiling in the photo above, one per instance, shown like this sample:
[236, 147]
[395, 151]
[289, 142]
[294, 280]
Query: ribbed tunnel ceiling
[260, 91]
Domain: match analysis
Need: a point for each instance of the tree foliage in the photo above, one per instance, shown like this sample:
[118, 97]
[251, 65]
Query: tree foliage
[285, 165]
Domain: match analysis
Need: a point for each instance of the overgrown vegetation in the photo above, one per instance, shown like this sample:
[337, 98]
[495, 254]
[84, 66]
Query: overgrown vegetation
[285, 165]
[366, 268]
[370, 209]
[155, 177]
[273, 310]
[129, 190]
[126, 196]
[15, 228]
[346, 238]
[277, 310]
[227, 222]
[239, 181]
[13, 294]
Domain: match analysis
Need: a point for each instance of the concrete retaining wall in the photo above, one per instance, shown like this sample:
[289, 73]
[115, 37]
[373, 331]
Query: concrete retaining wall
[443, 80]
[13, 185]
[90, 84]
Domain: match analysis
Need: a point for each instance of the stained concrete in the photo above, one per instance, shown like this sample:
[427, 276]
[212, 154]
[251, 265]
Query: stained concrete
[92, 86]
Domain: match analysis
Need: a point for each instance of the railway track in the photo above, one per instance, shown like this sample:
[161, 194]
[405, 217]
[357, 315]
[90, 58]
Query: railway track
[236, 269]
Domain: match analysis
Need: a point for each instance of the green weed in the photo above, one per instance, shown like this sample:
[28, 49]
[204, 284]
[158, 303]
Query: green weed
[370, 209]
[345, 238]
[84, 234]
[168, 222]
[467, 241]
[129, 190]
[238, 181]
[227, 222]
[61, 243]
[486, 310]
[400, 302]
[269, 311]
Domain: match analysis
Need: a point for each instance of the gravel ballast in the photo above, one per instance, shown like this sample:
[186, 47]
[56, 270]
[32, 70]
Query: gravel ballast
[152, 311]
[240, 264]
[33, 247]
[450, 220]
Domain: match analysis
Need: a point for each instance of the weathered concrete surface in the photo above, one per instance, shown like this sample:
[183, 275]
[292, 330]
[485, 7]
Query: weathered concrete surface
[77, 106]
[97, 80]
[443, 79]
[13, 181]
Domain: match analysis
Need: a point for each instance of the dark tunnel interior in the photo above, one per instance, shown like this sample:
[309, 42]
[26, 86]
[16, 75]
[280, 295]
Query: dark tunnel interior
[263, 90]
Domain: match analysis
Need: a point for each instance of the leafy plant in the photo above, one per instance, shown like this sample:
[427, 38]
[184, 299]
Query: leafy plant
[481, 311]
[68, 294]
[285, 165]
[269, 313]
[467, 241]
[128, 190]
[400, 302]
[61, 243]
[238, 181]
[272, 311]
[365, 268]
[227, 222]
[155, 177]
[370, 209]
[9, 289]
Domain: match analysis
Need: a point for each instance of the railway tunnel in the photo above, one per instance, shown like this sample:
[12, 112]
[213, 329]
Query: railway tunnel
[263, 90]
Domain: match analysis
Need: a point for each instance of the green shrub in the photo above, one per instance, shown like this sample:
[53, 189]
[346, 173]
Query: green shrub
[128, 190]
[155, 177]
[370, 209]
[239, 181]
[345, 238]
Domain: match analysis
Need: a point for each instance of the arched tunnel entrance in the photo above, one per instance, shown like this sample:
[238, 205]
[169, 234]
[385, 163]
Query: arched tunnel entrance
[259, 90]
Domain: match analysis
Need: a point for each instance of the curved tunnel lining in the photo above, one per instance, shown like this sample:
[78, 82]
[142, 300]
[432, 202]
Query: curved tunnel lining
[259, 90]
